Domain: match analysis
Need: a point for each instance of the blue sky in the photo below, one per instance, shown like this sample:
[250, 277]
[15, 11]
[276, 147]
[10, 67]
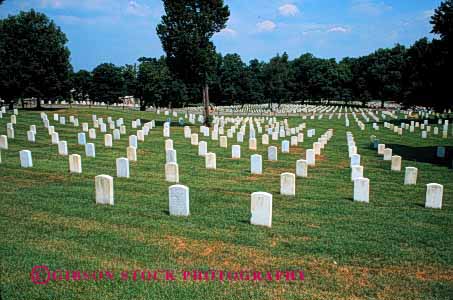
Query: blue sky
[121, 31]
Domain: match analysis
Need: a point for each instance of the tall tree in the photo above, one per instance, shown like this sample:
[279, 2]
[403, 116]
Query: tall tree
[254, 87]
[108, 83]
[34, 58]
[185, 31]
[82, 83]
[130, 80]
[442, 21]
[232, 77]
[157, 86]
[276, 74]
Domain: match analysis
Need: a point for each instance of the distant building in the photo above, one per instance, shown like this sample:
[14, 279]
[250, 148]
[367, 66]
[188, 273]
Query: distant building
[128, 100]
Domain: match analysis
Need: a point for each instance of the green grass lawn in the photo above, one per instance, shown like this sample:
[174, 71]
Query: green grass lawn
[391, 248]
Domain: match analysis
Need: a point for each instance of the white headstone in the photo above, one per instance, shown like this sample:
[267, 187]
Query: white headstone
[301, 168]
[236, 152]
[210, 161]
[25, 159]
[410, 177]
[317, 148]
[3, 142]
[172, 172]
[122, 167]
[168, 144]
[133, 141]
[63, 148]
[81, 138]
[223, 141]
[90, 150]
[92, 133]
[285, 146]
[108, 140]
[202, 148]
[356, 172]
[178, 200]
[362, 190]
[381, 148]
[434, 194]
[256, 164]
[31, 136]
[252, 144]
[104, 189]
[170, 156]
[75, 163]
[140, 135]
[116, 134]
[387, 154]
[240, 137]
[194, 139]
[272, 153]
[261, 209]
[310, 157]
[288, 184]
[396, 163]
[355, 160]
[131, 153]
[187, 132]
[55, 138]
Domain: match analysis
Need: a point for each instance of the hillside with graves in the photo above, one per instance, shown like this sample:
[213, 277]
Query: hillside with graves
[298, 202]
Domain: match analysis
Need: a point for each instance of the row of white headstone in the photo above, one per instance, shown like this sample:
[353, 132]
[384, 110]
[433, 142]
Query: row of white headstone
[434, 191]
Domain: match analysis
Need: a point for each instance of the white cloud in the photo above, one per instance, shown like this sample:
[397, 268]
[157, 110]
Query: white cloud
[427, 14]
[137, 9]
[339, 29]
[266, 26]
[79, 4]
[288, 10]
[96, 20]
[52, 3]
[228, 32]
[370, 7]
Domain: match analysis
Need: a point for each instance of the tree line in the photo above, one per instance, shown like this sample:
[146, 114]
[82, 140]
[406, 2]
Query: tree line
[35, 63]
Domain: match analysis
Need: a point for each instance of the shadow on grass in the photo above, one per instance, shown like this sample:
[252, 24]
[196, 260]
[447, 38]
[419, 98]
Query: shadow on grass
[41, 108]
[423, 154]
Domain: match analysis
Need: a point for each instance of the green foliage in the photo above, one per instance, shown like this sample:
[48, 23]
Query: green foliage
[34, 58]
[82, 83]
[185, 33]
[130, 80]
[157, 86]
[35, 63]
[108, 83]
[442, 21]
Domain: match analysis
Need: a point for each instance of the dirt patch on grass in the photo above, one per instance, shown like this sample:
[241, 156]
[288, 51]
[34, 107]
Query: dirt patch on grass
[343, 164]
[296, 150]
[191, 253]
[276, 171]
[242, 194]
[74, 251]
[314, 226]
[18, 183]
[255, 177]
[320, 158]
